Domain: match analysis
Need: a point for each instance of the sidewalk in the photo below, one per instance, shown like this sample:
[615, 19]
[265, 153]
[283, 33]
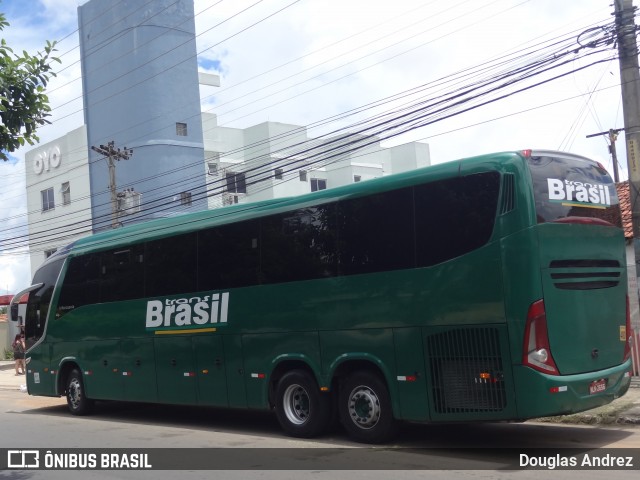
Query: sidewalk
[625, 410]
[8, 378]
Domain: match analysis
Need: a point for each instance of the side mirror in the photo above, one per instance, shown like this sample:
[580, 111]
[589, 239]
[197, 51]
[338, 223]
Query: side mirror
[13, 314]
[13, 307]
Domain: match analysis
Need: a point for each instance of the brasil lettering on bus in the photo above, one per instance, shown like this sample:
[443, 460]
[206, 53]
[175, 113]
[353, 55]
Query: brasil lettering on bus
[595, 193]
[186, 312]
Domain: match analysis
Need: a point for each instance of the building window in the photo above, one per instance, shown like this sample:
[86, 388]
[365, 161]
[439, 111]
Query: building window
[47, 199]
[181, 129]
[236, 182]
[212, 168]
[185, 198]
[66, 193]
[48, 253]
[278, 174]
[357, 178]
[318, 184]
[303, 176]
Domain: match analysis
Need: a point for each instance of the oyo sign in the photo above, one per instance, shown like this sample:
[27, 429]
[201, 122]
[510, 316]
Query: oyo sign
[47, 160]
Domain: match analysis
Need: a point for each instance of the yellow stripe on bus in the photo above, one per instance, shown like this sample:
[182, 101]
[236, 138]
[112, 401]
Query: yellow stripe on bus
[179, 332]
[565, 204]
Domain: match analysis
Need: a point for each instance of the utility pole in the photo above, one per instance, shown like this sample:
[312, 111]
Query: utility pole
[112, 153]
[630, 86]
[613, 136]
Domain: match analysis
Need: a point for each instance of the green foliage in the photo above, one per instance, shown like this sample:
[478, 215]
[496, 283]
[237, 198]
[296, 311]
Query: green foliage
[23, 105]
[7, 354]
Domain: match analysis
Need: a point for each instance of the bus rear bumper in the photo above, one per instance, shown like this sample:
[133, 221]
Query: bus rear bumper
[541, 395]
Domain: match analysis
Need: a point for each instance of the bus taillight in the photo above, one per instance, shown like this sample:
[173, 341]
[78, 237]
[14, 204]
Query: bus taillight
[627, 334]
[536, 351]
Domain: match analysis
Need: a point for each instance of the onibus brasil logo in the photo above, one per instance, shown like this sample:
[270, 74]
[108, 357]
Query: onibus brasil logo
[188, 313]
[578, 193]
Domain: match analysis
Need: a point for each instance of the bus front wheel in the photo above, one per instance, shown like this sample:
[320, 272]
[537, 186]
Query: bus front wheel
[301, 409]
[77, 400]
[364, 406]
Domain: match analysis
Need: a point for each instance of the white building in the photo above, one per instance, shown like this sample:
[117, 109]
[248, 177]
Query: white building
[274, 160]
[58, 194]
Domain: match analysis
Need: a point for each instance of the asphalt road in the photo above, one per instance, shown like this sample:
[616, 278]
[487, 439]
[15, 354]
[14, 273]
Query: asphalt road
[254, 446]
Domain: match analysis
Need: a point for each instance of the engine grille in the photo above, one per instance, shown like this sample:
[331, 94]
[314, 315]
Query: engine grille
[466, 371]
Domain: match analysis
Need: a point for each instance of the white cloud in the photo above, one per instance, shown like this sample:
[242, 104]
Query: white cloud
[407, 44]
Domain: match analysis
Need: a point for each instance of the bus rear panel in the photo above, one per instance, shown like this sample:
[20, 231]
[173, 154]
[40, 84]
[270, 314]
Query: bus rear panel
[575, 336]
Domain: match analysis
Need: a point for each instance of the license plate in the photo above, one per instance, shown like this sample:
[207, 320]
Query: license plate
[598, 386]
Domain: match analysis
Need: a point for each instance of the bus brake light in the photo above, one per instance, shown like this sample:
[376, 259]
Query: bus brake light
[536, 348]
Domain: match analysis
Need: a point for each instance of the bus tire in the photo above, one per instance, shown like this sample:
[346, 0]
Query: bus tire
[364, 406]
[77, 400]
[301, 409]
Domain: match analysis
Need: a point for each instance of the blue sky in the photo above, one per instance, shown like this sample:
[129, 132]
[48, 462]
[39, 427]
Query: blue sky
[318, 58]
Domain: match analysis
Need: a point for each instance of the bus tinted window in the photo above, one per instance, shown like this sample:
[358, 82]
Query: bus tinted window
[376, 232]
[370, 234]
[171, 265]
[229, 256]
[39, 300]
[567, 188]
[81, 284]
[299, 245]
[455, 216]
[122, 274]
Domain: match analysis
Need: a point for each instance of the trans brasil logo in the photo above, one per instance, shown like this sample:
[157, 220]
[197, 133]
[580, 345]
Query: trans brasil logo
[192, 312]
[578, 193]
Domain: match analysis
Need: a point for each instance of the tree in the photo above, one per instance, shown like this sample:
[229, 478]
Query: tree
[23, 105]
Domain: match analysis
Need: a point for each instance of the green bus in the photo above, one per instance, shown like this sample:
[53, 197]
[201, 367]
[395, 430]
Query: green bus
[486, 289]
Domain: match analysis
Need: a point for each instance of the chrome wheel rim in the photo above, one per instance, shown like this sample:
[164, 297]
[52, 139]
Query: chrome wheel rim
[296, 404]
[74, 393]
[364, 407]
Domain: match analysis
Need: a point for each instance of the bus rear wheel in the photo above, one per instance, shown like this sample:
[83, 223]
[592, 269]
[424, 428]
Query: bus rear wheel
[364, 406]
[301, 409]
[77, 400]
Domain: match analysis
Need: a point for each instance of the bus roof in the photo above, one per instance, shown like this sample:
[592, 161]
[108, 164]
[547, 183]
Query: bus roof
[163, 227]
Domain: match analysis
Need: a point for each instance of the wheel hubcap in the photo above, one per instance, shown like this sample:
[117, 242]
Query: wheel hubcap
[74, 393]
[364, 407]
[296, 404]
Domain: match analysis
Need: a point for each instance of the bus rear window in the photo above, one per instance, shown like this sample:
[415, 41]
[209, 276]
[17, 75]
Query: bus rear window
[573, 190]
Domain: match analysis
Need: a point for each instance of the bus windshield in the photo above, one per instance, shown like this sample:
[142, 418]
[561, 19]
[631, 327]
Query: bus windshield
[39, 300]
[573, 190]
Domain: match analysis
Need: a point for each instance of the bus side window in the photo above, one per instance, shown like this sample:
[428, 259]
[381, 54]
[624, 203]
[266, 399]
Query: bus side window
[122, 274]
[170, 265]
[81, 284]
[229, 256]
[299, 245]
[455, 216]
[376, 233]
